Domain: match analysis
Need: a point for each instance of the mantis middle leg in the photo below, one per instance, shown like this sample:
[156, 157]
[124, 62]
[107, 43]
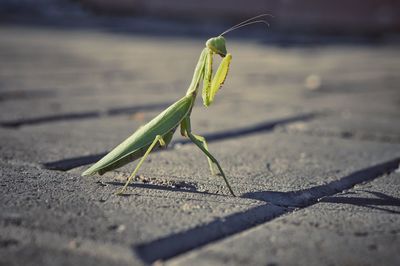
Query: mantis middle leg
[157, 139]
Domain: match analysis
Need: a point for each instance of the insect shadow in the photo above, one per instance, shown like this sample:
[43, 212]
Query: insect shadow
[295, 199]
[180, 186]
[329, 192]
[382, 200]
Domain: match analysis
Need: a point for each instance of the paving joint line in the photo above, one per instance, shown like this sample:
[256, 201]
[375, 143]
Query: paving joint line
[15, 124]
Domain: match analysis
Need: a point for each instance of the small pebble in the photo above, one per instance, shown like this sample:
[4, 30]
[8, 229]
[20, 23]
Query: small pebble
[117, 228]
[313, 82]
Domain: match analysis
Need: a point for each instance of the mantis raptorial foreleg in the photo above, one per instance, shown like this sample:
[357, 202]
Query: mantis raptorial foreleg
[212, 158]
[207, 77]
[157, 139]
[211, 86]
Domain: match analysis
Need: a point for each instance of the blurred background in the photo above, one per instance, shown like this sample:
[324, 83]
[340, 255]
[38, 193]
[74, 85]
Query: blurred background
[367, 18]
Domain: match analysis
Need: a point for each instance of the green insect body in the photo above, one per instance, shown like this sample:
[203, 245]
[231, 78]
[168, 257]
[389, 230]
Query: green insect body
[136, 145]
[159, 131]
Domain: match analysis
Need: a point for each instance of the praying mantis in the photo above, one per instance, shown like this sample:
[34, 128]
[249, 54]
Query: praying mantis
[158, 132]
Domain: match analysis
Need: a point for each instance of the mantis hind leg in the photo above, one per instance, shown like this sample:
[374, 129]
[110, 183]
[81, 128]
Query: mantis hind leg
[204, 143]
[157, 139]
[212, 158]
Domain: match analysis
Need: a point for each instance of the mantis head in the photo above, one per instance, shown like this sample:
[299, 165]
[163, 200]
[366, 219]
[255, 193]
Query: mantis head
[217, 45]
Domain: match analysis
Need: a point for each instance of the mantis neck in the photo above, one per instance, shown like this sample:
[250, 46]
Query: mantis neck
[198, 73]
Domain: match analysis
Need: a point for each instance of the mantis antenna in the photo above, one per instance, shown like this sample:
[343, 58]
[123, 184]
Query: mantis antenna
[248, 22]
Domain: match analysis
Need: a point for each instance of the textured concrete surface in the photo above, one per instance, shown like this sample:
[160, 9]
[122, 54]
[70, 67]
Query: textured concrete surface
[308, 136]
[357, 227]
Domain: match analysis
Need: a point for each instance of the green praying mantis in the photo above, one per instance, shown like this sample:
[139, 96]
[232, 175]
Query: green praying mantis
[158, 132]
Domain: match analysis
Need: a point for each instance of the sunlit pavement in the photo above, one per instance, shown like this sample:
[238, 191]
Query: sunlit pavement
[309, 137]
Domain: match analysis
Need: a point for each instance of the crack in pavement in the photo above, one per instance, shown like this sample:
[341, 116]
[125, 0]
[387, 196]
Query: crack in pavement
[70, 163]
[278, 203]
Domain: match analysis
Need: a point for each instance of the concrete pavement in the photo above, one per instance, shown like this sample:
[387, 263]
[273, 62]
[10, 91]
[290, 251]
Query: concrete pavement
[314, 165]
